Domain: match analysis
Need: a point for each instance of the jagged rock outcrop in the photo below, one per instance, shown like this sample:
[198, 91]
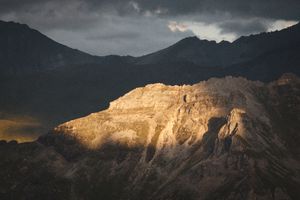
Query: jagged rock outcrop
[224, 138]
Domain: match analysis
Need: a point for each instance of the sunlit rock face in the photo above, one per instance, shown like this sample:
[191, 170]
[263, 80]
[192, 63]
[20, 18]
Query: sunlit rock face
[224, 138]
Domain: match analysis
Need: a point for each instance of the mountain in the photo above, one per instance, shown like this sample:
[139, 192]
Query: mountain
[192, 49]
[227, 138]
[45, 83]
[24, 50]
[224, 54]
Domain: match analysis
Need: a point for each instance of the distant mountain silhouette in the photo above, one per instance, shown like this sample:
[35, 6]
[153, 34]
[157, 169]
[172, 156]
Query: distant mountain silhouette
[223, 54]
[25, 50]
[53, 83]
[191, 49]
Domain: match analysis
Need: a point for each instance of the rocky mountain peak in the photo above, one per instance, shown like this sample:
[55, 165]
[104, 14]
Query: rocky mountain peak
[287, 79]
[214, 132]
[168, 106]
[171, 108]
[181, 142]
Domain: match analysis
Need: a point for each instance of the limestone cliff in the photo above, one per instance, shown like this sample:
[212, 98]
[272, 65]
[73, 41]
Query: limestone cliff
[224, 138]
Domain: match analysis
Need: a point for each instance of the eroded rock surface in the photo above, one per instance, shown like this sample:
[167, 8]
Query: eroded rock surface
[224, 138]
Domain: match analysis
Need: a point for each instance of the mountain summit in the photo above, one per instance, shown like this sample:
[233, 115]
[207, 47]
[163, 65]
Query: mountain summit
[225, 54]
[190, 49]
[24, 50]
[224, 138]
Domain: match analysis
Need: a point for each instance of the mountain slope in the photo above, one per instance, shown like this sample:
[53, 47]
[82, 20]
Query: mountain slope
[24, 50]
[211, 54]
[224, 138]
[192, 49]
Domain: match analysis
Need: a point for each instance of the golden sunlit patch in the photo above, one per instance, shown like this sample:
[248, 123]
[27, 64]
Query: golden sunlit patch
[20, 128]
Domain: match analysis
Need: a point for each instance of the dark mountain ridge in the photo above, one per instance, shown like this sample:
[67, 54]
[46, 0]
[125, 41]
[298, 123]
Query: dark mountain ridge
[224, 54]
[24, 50]
[26, 47]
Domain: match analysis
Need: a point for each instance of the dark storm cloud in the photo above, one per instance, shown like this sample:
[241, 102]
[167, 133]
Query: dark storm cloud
[141, 26]
[245, 27]
[277, 9]
[114, 36]
[121, 35]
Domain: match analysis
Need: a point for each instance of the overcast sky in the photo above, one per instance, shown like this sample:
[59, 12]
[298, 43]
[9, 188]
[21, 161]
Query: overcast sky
[126, 27]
